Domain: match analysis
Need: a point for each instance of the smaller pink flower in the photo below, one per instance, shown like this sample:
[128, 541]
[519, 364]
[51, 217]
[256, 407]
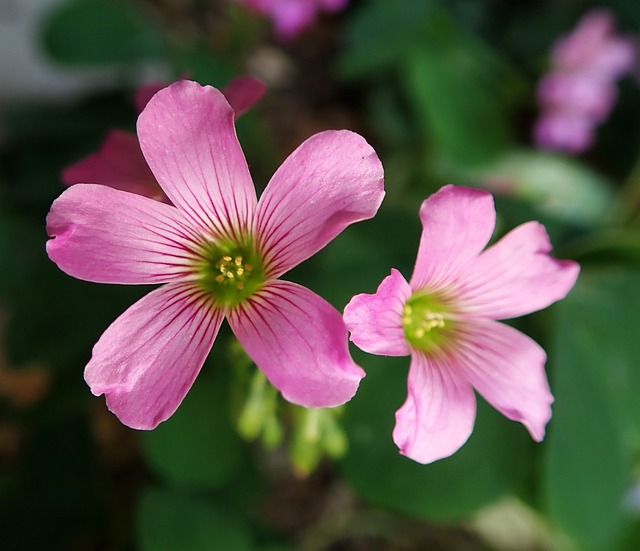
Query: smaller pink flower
[445, 318]
[579, 92]
[119, 162]
[218, 252]
[291, 17]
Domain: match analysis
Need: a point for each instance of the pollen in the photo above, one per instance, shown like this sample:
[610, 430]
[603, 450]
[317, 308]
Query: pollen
[427, 321]
[231, 274]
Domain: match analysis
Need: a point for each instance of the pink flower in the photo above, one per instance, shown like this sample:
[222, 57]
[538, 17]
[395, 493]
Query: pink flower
[120, 164]
[579, 92]
[218, 252]
[445, 319]
[291, 17]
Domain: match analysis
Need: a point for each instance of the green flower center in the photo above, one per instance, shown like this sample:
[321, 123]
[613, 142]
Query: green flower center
[231, 272]
[426, 322]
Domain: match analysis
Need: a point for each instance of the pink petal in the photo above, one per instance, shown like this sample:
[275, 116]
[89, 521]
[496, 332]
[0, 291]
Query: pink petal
[375, 321]
[438, 415]
[332, 180]
[457, 223]
[188, 138]
[110, 236]
[516, 276]
[291, 17]
[507, 368]
[243, 92]
[118, 164]
[563, 130]
[147, 359]
[299, 341]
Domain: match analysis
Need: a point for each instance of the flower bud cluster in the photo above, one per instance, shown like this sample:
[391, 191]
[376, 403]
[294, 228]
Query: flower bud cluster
[579, 92]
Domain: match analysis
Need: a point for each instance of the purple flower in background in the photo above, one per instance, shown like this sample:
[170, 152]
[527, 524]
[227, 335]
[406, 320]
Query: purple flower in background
[218, 253]
[445, 318]
[291, 17]
[119, 162]
[579, 91]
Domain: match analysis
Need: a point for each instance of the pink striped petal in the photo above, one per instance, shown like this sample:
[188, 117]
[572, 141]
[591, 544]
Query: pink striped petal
[147, 360]
[243, 92]
[109, 236]
[332, 180]
[118, 164]
[299, 341]
[187, 135]
[375, 321]
[507, 368]
[457, 223]
[516, 276]
[439, 413]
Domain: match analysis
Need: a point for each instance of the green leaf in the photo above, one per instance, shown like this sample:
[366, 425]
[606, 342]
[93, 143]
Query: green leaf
[495, 462]
[382, 32]
[557, 185]
[596, 420]
[168, 521]
[101, 32]
[198, 447]
[462, 114]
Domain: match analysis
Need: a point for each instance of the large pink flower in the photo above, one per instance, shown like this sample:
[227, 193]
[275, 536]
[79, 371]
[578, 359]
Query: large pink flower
[120, 164]
[445, 318]
[219, 253]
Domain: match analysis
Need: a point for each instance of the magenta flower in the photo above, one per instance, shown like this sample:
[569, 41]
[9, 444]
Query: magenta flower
[445, 319]
[219, 253]
[291, 17]
[579, 92]
[120, 163]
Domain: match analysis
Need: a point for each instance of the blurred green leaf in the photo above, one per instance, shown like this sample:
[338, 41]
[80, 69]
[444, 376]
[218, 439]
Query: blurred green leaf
[496, 461]
[197, 447]
[556, 184]
[463, 116]
[456, 86]
[168, 521]
[382, 32]
[101, 32]
[596, 420]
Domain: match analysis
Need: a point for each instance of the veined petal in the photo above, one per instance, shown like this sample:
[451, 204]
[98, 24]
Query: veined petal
[118, 164]
[516, 276]
[332, 180]
[457, 223]
[187, 135]
[507, 368]
[439, 413]
[299, 341]
[110, 236]
[147, 360]
[243, 92]
[375, 321]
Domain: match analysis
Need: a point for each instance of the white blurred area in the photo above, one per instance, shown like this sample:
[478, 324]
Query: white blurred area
[26, 73]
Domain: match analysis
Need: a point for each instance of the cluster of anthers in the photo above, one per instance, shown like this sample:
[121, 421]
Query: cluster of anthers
[233, 270]
[420, 326]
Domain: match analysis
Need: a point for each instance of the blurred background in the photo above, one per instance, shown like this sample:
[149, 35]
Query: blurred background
[472, 92]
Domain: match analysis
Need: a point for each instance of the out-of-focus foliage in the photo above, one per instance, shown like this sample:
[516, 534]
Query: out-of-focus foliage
[445, 92]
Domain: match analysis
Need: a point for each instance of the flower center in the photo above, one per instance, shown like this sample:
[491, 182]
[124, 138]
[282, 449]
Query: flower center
[426, 321]
[231, 272]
